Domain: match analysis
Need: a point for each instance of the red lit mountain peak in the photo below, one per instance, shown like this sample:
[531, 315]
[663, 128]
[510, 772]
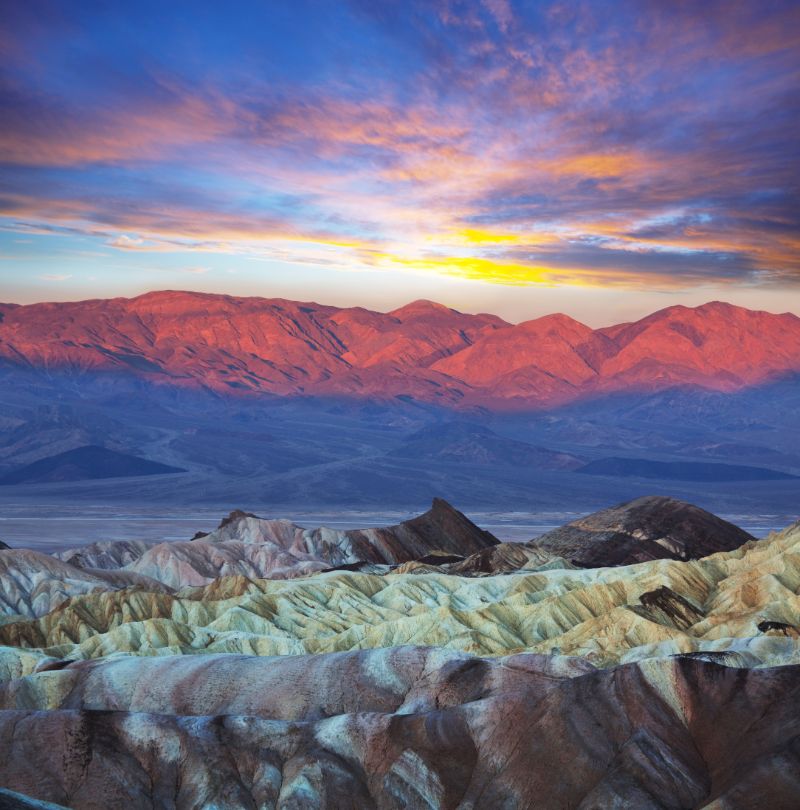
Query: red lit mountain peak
[423, 350]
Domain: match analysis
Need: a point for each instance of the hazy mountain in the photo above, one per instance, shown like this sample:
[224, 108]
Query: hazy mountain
[681, 470]
[477, 444]
[85, 463]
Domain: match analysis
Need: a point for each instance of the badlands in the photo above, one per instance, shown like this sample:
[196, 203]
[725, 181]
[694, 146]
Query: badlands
[426, 665]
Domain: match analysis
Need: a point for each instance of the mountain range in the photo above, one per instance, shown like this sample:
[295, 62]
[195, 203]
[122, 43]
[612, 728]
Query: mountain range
[424, 350]
[273, 403]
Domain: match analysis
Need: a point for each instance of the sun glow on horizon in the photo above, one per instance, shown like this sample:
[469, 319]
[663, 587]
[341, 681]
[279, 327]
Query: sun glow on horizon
[564, 149]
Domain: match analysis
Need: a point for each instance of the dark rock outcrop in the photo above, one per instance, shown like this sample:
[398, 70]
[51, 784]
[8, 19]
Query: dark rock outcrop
[648, 528]
[500, 559]
[235, 515]
[441, 528]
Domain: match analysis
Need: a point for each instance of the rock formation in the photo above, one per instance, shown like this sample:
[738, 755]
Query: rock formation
[442, 539]
[500, 678]
[648, 528]
[717, 605]
[32, 584]
[500, 559]
[107, 554]
[409, 727]
[442, 528]
[249, 546]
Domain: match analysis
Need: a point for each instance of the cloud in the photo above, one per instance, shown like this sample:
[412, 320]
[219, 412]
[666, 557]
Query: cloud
[49, 131]
[518, 144]
[55, 276]
[125, 242]
[501, 11]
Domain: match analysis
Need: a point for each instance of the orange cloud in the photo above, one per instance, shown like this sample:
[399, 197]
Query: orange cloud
[598, 165]
[144, 131]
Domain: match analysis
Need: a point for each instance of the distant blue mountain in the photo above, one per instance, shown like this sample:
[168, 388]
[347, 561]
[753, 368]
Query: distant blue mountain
[85, 463]
[680, 470]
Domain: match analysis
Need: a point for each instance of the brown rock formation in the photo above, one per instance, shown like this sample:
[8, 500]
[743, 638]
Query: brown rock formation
[408, 727]
[648, 528]
[252, 547]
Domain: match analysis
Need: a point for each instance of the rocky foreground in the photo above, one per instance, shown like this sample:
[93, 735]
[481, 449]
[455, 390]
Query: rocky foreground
[406, 727]
[422, 665]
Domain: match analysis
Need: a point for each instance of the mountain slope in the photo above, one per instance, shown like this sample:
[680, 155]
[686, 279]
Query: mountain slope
[717, 345]
[105, 555]
[230, 344]
[33, 584]
[476, 444]
[424, 350]
[85, 464]
[681, 470]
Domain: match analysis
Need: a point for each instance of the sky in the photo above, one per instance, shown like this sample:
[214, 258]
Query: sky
[603, 159]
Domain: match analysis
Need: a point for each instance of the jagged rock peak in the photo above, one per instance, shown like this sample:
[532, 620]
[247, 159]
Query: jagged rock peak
[236, 514]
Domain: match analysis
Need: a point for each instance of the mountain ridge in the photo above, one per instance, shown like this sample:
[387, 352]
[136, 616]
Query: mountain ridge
[424, 350]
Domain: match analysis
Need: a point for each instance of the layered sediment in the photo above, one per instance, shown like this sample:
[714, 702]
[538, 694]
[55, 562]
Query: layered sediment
[428, 667]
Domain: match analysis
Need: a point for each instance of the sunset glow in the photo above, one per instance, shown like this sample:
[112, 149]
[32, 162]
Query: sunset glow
[379, 152]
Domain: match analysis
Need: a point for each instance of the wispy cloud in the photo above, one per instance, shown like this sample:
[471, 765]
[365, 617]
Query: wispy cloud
[549, 144]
